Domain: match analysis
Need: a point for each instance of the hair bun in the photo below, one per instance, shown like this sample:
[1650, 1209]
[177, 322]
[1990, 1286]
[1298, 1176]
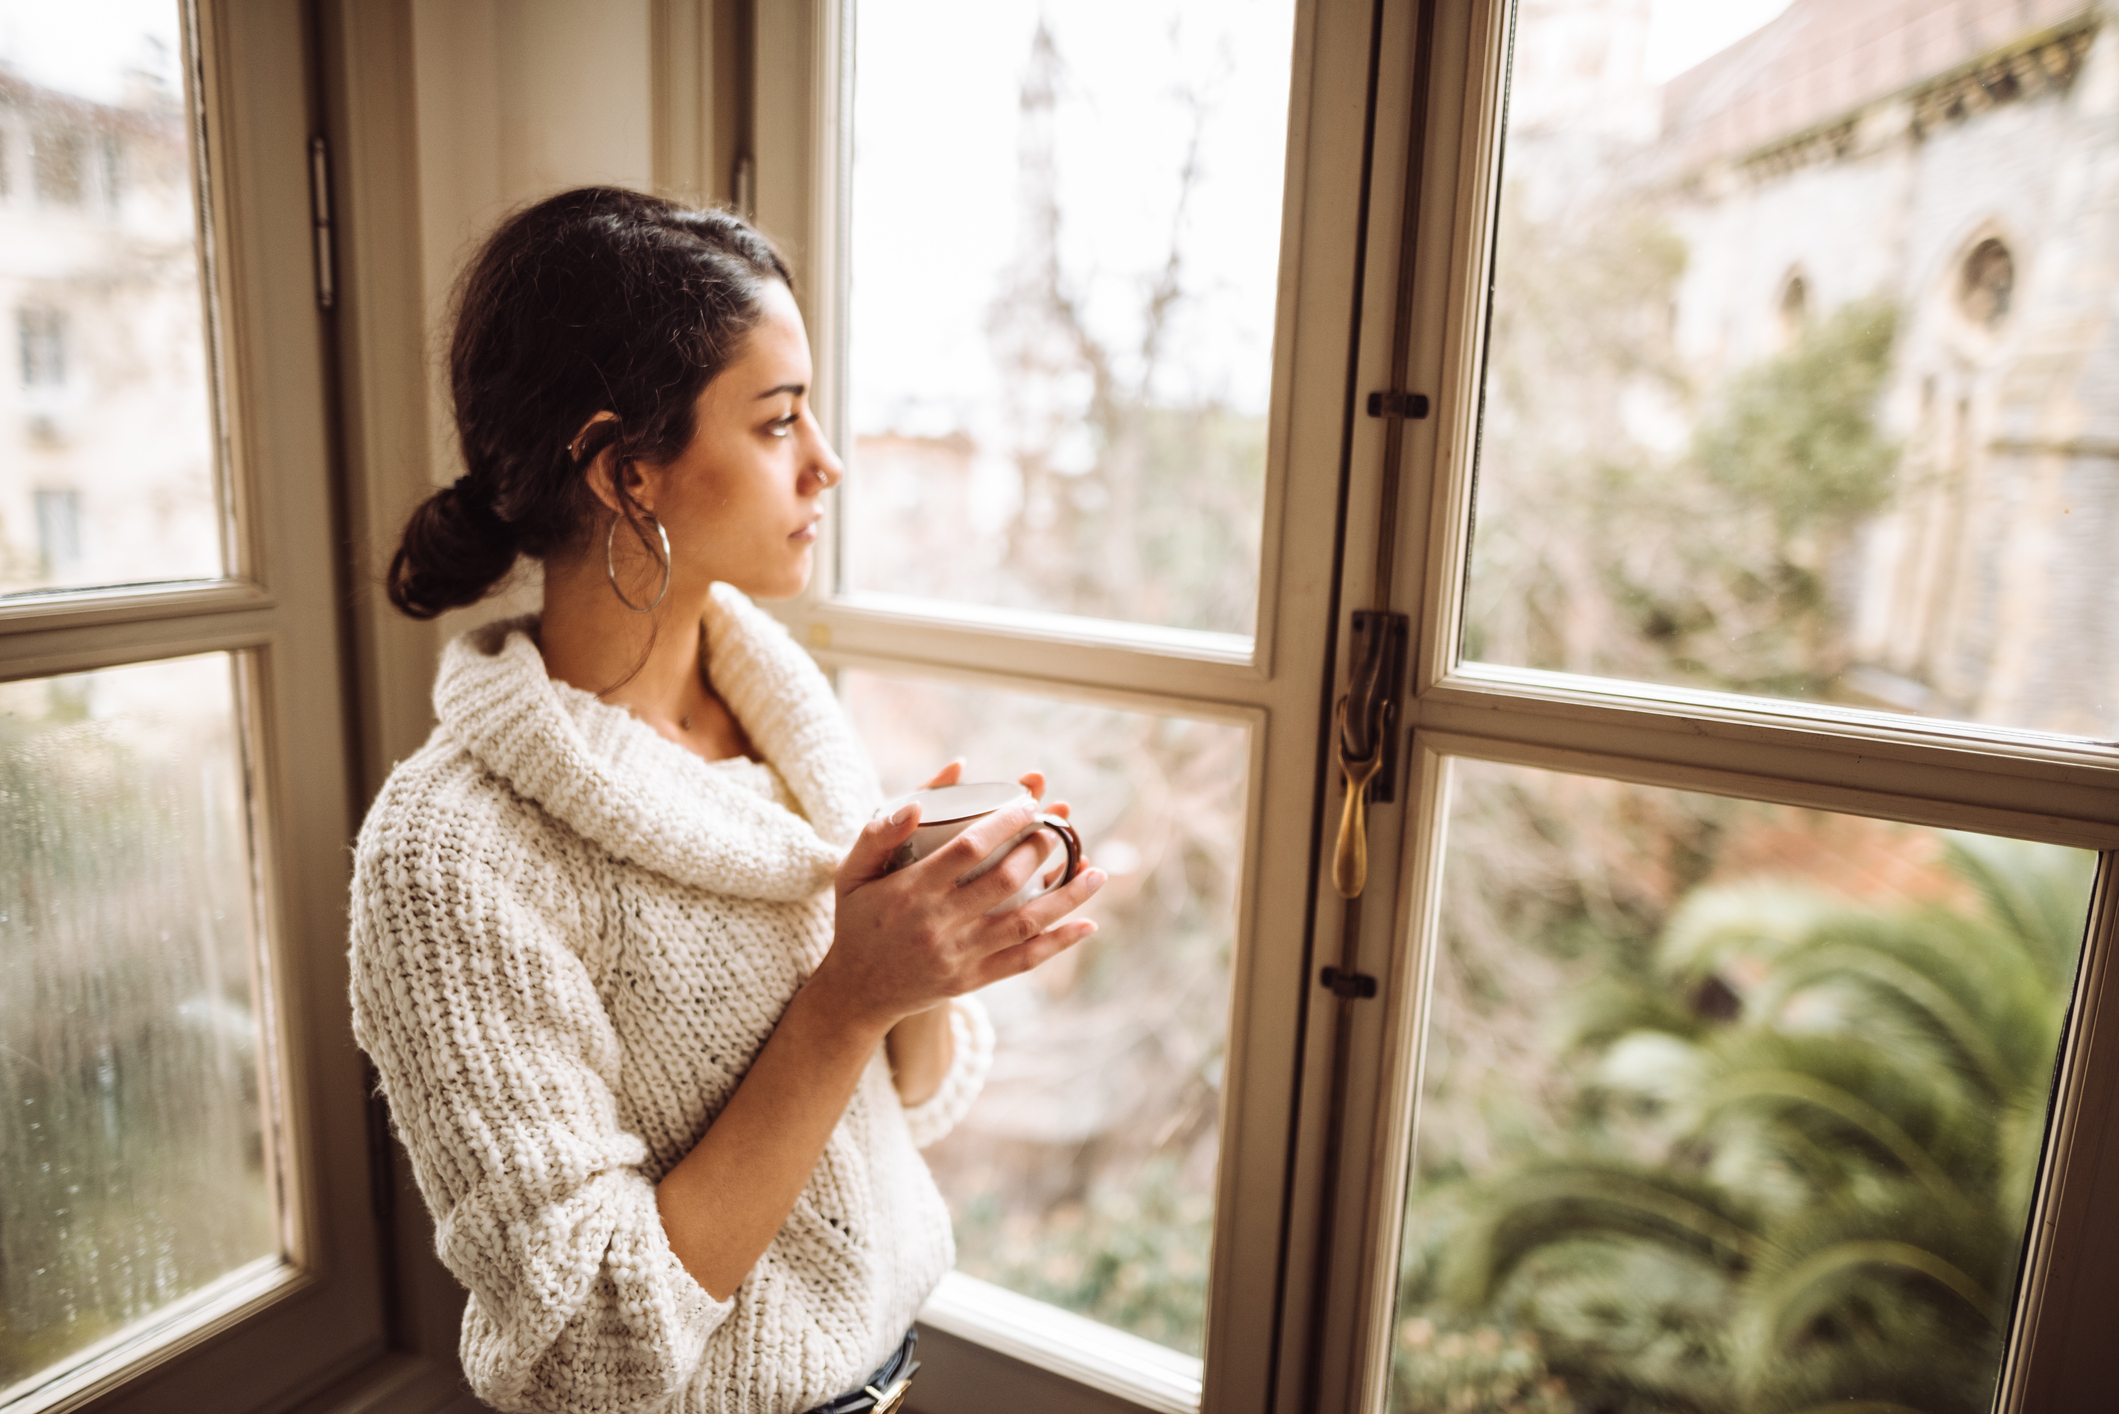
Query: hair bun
[456, 548]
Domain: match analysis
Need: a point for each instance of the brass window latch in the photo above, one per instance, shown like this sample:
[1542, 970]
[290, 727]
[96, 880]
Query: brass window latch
[1365, 738]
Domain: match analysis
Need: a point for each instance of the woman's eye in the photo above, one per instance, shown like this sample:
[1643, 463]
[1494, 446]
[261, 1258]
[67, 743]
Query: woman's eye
[781, 426]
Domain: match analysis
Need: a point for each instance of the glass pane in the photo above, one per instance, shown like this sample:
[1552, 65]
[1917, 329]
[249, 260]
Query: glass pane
[1802, 351]
[1726, 1105]
[132, 1151]
[1084, 1174]
[107, 448]
[1064, 261]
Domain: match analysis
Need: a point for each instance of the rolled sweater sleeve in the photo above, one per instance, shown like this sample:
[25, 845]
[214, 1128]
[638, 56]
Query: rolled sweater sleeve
[972, 1035]
[500, 1063]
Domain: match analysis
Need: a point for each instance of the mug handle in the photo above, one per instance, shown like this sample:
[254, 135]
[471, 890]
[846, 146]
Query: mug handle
[1059, 825]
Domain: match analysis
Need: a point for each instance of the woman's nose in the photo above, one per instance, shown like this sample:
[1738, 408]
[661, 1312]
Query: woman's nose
[827, 467]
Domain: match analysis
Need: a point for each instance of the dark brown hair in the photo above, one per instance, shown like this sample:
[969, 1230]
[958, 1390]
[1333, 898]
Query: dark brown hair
[595, 300]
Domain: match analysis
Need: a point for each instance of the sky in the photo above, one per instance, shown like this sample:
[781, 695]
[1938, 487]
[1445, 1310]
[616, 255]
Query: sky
[935, 196]
[86, 47]
[1683, 32]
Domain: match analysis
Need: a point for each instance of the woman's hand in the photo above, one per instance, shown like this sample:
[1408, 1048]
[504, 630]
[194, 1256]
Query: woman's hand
[910, 940]
[905, 943]
[921, 1046]
[1032, 781]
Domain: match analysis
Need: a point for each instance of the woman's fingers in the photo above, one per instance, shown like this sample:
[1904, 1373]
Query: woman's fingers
[978, 840]
[1034, 782]
[1019, 925]
[1008, 875]
[869, 858]
[948, 776]
[1019, 958]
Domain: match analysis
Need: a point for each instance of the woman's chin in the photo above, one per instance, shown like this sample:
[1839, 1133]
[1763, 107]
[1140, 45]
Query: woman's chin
[787, 584]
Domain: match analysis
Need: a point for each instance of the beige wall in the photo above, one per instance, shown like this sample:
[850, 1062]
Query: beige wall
[516, 99]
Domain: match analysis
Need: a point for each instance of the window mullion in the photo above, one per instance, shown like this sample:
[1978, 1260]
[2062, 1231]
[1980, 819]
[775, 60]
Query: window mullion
[2071, 803]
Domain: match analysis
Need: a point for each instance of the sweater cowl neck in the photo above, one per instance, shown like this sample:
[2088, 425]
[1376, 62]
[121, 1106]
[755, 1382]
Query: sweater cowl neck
[611, 778]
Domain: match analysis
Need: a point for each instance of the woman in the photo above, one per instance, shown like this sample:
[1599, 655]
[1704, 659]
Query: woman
[660, 1054]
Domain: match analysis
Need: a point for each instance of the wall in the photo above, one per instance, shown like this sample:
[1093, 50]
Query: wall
[516, 100]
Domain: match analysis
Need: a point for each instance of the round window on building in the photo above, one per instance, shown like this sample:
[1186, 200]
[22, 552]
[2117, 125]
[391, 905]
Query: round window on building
[1986, 283]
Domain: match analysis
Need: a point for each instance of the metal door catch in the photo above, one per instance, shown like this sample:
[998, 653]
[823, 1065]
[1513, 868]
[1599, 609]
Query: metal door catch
[1355, 985]
[1396, 404]
[1365, 738]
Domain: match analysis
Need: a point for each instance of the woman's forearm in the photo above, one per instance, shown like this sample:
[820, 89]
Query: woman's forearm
[724, 1202]
[921, 1048]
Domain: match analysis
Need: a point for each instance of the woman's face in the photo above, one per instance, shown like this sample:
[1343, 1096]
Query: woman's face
[741, 503]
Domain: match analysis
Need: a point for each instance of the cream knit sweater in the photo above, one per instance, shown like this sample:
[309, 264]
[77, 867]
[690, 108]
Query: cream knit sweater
[570, 937]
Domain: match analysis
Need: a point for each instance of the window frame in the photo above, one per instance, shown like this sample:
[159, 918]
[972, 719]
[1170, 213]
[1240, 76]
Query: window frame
[313, 1327]
[1933, 773]
[799, 70]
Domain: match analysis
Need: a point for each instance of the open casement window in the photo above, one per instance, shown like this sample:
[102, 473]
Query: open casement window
[1093, 411]
[185, 1218]
[1742, 923]
[1720, 1020]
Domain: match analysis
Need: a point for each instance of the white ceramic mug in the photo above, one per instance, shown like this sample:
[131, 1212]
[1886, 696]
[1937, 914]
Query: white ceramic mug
[945, 811]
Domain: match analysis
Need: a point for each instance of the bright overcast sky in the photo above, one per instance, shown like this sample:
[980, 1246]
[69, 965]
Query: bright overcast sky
[85, 47]
[1683, 32]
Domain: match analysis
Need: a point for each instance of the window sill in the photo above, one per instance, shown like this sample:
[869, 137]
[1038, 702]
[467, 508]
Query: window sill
[1073, 1347]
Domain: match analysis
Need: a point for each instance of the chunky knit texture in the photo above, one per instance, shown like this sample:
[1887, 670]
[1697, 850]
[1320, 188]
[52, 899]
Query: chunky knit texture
[570, 937]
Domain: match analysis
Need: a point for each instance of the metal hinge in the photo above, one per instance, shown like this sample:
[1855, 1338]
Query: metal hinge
[320, 219]
[1357, 986]
[1396, 404]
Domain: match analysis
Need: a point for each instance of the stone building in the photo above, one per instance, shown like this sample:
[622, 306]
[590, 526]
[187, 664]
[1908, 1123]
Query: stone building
[1961, 159]
[107, 439]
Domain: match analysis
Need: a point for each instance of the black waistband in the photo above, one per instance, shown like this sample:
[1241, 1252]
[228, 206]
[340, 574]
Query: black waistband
[899, 1365]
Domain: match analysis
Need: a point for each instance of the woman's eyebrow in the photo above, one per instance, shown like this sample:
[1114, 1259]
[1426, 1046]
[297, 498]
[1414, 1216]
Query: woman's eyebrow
[798, 389]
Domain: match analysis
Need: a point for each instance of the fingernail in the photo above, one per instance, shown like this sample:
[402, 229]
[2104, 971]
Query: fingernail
[1095, 877]
[902, 814]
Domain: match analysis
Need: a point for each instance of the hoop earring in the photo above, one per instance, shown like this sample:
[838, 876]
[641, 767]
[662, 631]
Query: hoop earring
[610, 566]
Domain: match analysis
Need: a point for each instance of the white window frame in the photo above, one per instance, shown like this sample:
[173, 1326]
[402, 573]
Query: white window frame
[1930, 773]
[310, 1329]
[1275, 683]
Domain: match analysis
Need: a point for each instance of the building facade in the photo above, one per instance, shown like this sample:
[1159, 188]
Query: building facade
[107, 436]
[1960, 160]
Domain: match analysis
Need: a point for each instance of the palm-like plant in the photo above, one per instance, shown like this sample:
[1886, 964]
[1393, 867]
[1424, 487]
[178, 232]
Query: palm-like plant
[1804, 1157]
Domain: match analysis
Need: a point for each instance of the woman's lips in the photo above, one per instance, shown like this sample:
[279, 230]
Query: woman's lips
[806, 534]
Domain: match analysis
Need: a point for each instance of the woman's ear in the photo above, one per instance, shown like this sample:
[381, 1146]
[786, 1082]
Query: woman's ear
[603, 470]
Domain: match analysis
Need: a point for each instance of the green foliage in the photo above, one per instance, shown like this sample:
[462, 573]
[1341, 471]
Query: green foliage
[1440, 1371]
[1830, 1199]
[1797, 434]
[1132, 1256]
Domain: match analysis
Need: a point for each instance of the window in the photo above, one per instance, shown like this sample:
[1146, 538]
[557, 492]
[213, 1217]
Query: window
[1987, 282]
[180, 1128]
[1084, 399]
[1711, 773]
[1073, 422]
[1794, 307]
[57, 155]
[41, 336]
[112, 341]
[58, 531]
[1704, 524]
